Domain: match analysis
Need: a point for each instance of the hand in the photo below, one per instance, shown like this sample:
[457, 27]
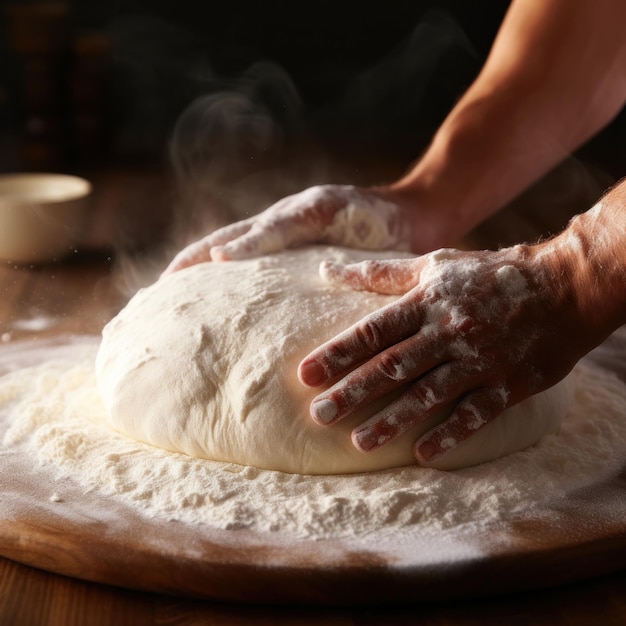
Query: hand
[334, 214]
[479, 331]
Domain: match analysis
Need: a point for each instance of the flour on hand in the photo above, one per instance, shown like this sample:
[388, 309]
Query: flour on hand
[203, 362]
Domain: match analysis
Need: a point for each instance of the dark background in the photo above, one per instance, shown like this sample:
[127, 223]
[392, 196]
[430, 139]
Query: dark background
[378, 73]
[220, 90]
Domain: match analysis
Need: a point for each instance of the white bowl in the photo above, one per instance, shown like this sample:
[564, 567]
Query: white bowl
[42, 216]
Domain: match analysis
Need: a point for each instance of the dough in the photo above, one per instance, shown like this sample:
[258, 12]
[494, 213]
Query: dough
[203, 362]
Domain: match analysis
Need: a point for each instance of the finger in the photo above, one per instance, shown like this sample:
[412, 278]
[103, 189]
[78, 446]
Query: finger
[386, 372]
[476, 410]
[428, 396]
[197, 252]
[230, 232]
[200, 251]
[374, 333]
[395, 276]
[260, 239]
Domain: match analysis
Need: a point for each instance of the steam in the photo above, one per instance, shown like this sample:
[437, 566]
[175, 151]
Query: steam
[241, 141]
[254, 139]
[398, 102]
[228, 148]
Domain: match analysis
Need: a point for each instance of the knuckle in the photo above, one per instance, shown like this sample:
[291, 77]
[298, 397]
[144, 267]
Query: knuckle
[376, 273]
[369, 334]
[470, 417]
[497, 398]
[424, 397]
[392, 367]
[370, 268]
[336, 357]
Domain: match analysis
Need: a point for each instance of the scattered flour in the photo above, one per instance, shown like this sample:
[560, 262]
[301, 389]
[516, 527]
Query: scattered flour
[54, 414]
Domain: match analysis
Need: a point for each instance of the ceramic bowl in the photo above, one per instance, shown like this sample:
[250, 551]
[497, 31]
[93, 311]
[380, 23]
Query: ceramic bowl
[42, 216]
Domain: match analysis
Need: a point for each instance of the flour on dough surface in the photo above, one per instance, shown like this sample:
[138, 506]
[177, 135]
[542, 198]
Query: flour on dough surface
[203, 362]
[55, 417]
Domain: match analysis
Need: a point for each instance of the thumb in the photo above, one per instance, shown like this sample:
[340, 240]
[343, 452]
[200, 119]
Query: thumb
[390, 277]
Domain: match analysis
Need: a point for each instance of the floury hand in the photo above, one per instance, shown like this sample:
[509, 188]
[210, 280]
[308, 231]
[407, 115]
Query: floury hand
[341, 215]
[476, 331]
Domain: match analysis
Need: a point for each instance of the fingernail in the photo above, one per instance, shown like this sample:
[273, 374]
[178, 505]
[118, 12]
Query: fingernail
[364, 440]
[426, 450]
[324, 411]
[312, 373]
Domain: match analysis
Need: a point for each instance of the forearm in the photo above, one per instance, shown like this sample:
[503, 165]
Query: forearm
[555, 76]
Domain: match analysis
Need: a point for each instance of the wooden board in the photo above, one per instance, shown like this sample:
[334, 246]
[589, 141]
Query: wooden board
[89, 537]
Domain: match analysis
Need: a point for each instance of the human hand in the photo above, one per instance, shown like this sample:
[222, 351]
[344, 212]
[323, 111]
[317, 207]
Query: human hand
[477, 331]
[341, 215]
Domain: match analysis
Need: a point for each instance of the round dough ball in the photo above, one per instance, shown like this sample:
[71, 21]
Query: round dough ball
[203, 362]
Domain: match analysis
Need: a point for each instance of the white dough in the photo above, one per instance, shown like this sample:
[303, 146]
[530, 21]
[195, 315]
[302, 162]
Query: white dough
[203, 362]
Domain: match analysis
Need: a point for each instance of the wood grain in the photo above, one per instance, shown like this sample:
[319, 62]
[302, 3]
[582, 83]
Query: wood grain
[538, 574]
[94, 537]
[32, 597]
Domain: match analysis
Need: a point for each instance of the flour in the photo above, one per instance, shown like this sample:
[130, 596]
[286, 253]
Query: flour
[204, 362]
[453, 286]
[369, 223]
[54, 415]
[511, 281]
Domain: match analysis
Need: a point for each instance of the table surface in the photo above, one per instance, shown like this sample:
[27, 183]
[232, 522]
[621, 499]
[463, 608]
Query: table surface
[82, 293]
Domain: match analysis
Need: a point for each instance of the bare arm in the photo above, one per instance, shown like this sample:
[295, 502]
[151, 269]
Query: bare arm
[555, 76]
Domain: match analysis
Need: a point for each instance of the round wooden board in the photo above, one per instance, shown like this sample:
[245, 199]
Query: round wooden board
[98, 539]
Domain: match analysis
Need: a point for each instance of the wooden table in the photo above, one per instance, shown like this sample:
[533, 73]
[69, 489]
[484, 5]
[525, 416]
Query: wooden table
[31, 597]
[80, 295]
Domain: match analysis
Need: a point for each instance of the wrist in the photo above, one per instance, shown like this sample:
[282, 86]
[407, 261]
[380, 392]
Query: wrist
[468, 172]
[597, 243]
[439, 194]
[428, 223]
[583, 268]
